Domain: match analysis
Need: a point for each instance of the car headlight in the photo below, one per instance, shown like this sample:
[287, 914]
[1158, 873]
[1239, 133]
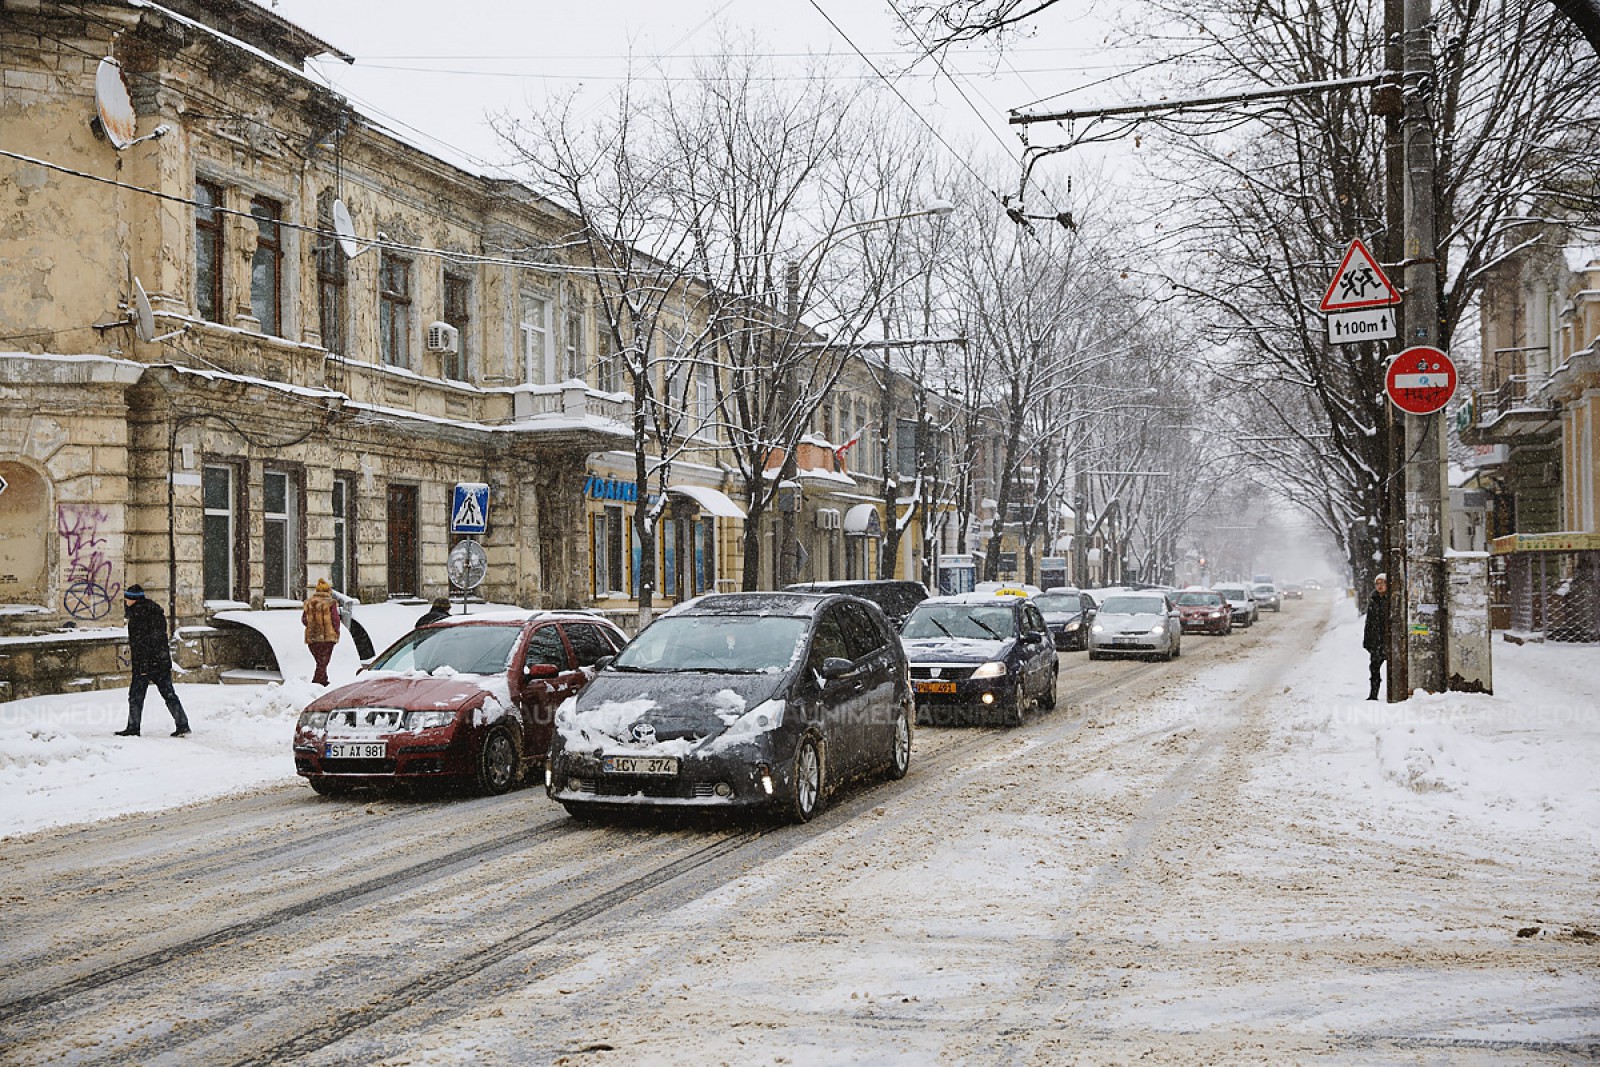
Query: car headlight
[1099, 629]
[1073, 625]
[425, 720]
[993, 669]
[1216, 614]
[313, 720]
[1159, 629]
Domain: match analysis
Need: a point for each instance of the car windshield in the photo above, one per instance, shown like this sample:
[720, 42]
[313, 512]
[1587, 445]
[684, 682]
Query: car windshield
[1263, 589]
[975, 622]
[721, 644]
[1199, 600]
[1232, 593]
[1056, 600]
[466, 649]
[1133, 605]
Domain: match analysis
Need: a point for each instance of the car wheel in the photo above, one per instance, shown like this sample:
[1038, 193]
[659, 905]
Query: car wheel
[1048, 702]
[497, 762]
[327, 787]
[1177, 647]
[1094, 654]
[805, 781]
[900, 754]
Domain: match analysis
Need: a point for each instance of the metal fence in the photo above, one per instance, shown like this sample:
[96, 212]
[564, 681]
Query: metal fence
[1554, 595]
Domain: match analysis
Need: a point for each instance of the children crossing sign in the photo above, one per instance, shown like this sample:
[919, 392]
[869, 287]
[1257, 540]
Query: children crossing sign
[469, 510]
[1360, 300]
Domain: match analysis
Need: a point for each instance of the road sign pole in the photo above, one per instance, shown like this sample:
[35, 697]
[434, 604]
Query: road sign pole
[1422, 584]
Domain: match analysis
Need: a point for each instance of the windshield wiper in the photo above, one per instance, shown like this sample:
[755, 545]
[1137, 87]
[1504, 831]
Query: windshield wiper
[990, 630]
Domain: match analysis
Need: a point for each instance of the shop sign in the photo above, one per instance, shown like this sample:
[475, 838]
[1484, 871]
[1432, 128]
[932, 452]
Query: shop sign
[597, 488]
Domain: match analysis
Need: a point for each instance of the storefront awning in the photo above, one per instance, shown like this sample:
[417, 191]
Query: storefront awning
[713, 500]
[863, 519]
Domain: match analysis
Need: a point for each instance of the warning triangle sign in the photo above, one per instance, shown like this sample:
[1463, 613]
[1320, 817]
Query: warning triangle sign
[1359, 283]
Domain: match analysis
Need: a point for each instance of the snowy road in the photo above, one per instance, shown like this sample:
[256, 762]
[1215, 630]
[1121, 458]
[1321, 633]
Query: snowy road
[1154, 872]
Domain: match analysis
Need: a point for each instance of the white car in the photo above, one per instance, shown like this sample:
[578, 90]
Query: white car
[1145, 623]
[1245, 609]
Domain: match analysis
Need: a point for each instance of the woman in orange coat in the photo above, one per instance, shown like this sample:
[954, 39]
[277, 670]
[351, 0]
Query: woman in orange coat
[320, 615]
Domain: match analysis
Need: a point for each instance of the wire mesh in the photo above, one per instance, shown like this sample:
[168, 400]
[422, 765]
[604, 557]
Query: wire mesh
[1554, 596]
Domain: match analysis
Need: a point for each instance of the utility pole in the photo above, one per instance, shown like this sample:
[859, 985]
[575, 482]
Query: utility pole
[1389, 100]
[786, 564]
[1425, 457]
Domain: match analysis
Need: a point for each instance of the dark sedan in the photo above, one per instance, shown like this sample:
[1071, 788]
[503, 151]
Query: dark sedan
[980, 655]
[749, 700]
[470, 699]
[1068, 613]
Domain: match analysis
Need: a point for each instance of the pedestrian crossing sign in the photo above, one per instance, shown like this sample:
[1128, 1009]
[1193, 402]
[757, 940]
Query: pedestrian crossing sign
[1359, 283]
[469, 510]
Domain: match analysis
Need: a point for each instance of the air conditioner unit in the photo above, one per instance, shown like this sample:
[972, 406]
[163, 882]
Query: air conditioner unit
[443, 337]
[828, 519]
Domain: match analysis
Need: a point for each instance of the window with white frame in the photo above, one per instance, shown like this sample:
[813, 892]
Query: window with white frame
[266, 266]
[394, 310]
[217, 536]
[577, 360]
[343, 508]
[705, 397]
[279, 532]
[534, 333]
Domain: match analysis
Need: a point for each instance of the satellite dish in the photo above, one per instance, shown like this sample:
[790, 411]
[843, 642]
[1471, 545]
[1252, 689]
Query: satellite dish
[144, 317]
[467, 566]
[113, 106]
[348, 241]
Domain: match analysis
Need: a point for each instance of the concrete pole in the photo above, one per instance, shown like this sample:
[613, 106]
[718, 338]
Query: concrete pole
[785, 566]
[1423, 581]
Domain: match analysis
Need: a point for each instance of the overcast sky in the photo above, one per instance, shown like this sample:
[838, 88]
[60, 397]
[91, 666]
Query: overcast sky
[433, 71]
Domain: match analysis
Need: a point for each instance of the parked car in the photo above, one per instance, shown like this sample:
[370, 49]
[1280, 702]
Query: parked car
[739, 700]
[896, 598]
[1292, 591]
[1204, 611]
[1068, 613]
[467, 699]
[1266, 595]
[1137, 624]
[1243, 603]
[977, 655]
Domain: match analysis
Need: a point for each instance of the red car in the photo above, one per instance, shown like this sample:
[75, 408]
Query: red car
[1205, 611]
[468, 699]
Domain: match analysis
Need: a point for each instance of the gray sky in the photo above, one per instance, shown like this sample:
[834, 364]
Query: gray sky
[432, 71]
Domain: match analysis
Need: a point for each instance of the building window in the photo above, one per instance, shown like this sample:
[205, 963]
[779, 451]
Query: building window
[333, 276]
[609, 575]
[458, 313]
[220, 522]
[266, 266]
[608, 368]
[279, 532]
[394, 310]
[577, 360]
[208, 251]
[905, 446]
[535, 335]
[344, 500]
[705, 393]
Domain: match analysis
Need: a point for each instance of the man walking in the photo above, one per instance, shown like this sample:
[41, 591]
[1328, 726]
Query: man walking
[1375, 638]
[149, 649]
[320, 615]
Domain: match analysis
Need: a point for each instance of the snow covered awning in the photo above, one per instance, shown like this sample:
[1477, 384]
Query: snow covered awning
[863, 519]
[713, 500]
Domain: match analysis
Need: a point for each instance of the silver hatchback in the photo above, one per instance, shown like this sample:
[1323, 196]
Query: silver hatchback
[1136, 624]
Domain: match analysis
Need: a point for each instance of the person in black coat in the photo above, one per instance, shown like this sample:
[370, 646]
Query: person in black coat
[439, 610]
[148, 648]
[1375, 637]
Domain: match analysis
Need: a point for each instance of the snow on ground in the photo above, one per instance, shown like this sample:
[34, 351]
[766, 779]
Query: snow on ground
[1515, 764]
[60, 763]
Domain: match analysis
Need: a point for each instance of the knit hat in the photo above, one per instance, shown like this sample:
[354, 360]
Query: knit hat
[323, 586]
[134, 592]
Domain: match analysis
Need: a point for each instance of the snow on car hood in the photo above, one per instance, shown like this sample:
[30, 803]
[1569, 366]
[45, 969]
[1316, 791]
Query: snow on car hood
[443, 690]
[955, 650]
[1130, 624]
[681, 710]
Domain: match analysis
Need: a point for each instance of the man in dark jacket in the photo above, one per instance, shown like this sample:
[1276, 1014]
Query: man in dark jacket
[439, 610]
[152, 660]
[1375, 638]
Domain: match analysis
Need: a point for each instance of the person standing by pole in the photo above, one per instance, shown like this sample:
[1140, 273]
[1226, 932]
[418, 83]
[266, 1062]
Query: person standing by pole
[320, 615]
[1375, 637]
[149, 649]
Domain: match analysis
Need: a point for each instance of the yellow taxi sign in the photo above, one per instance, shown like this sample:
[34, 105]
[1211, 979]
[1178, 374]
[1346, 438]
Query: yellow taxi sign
[1010, 590]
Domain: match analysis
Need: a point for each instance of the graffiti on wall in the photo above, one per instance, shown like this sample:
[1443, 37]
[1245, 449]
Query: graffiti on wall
[90, 590]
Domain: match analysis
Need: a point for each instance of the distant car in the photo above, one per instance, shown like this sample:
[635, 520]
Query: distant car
[1312, 583]
[470, 699]
[1266, 595]
[1293, 591]
[739, 700]
[1204, 611]
[1137, 624]
[977, 655]
[1068, 613]
[1245, 609]
[896, 598]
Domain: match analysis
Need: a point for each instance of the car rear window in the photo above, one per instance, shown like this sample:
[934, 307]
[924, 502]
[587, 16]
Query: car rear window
[467, 649]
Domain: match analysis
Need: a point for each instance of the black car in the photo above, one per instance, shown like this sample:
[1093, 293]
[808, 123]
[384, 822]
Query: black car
[982, 656]
[739, 700]
[896, 598]
[1068, 612]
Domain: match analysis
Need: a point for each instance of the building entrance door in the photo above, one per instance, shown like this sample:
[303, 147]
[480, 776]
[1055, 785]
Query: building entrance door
[402, 520]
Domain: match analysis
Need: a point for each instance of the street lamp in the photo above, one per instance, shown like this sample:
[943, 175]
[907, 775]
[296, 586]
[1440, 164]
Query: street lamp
[788, 560]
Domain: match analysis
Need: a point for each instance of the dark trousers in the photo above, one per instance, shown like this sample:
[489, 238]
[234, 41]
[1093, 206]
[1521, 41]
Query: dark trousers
[163, 683]
[1376, 672]
[322, 652]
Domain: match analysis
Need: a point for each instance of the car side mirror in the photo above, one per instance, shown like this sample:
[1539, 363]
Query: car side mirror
[539, 670]
[836, 667]
[603, 662]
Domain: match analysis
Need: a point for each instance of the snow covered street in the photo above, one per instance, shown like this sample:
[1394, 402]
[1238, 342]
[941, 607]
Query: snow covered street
[1232, 858]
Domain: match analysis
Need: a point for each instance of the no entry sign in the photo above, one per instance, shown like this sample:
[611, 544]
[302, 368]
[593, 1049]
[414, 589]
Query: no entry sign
[1421, 380]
